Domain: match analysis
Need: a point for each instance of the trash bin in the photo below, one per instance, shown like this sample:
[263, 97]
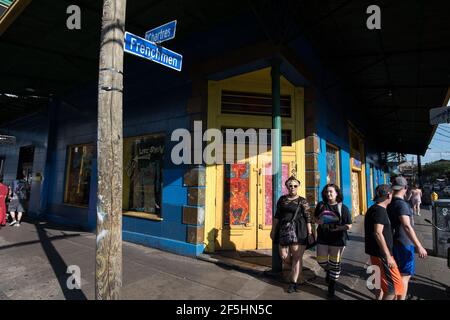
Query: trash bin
[441, 233]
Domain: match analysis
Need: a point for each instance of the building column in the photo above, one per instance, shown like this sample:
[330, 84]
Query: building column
[276, 153]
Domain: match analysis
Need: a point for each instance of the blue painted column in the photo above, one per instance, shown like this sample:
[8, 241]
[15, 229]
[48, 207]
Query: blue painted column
[276, 153]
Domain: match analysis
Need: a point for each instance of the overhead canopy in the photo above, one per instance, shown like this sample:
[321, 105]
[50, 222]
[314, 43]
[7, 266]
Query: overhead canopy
[395, 75]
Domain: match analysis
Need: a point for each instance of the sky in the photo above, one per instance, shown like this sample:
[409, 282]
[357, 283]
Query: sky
[439, 148]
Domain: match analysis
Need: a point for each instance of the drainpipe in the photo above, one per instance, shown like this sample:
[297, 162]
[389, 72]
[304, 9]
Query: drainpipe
[276, 153]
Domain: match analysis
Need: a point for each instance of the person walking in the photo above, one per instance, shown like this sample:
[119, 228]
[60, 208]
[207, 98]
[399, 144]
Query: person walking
[416, 199]
[291, 229]
[434, 197]
[378, 241]
[17, 197]
[3, 195]
[334, 220]
[405, 238]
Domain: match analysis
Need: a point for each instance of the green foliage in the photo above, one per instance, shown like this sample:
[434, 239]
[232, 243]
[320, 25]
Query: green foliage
[436, 169]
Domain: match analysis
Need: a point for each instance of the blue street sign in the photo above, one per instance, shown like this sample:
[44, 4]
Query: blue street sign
[149, 50]
[162, 33]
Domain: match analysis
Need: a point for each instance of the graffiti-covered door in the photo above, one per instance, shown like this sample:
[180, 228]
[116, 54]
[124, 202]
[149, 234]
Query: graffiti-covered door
[244, 201]
[356, 194]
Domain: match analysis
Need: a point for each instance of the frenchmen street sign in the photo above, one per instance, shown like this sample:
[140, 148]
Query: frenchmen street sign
[440, 115]
[151, 51]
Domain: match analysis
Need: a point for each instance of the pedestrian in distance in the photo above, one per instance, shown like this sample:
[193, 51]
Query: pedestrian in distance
[17, 197]
[3, 195]
[434, 197]
[405, 238]
[378, 241]
[292, 230]
[334, 220]
[416, 199]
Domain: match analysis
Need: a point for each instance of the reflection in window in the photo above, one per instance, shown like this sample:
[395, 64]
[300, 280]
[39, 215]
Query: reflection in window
[78, 176]
[142, 176]
[332, 164]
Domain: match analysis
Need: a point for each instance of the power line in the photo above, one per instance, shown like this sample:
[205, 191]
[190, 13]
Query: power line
[440, 128]
[442, 135]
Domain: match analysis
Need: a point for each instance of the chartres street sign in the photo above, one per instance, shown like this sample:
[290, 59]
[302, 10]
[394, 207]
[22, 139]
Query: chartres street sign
[149, 50]
[440, 115]
[162, 33]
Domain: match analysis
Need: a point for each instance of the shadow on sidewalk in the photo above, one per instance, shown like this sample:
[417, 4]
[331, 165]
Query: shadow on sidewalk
[20, 244]
[58, 265]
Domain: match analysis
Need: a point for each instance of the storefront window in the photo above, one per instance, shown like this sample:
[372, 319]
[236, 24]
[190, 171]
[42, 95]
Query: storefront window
[78, 176]
[142, 176]
[332, 164]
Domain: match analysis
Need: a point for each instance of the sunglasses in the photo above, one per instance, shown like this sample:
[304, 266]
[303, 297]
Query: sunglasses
[293, 186]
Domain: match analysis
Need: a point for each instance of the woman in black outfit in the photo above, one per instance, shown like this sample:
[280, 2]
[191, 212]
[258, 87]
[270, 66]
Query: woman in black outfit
[286, 208]
[334, 220]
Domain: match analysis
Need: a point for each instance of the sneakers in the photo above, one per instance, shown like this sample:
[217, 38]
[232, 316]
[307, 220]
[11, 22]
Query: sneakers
[17, 224]
[13, 222]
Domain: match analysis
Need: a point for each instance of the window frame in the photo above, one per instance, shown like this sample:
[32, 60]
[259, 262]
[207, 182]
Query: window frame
[138, 214]
[338, 161]
[68, 167]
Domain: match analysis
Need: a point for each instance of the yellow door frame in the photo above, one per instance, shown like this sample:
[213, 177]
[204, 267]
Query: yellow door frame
[352, 131]
[255, 82]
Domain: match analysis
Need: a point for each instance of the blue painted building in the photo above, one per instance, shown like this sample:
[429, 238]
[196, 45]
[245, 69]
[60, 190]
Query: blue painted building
[328, 135]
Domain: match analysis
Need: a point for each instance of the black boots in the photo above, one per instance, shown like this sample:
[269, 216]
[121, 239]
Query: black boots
[331, 285]
[292, 287]
[327, 278]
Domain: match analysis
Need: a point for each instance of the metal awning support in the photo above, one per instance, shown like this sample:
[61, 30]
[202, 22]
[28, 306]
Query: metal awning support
[276, 153]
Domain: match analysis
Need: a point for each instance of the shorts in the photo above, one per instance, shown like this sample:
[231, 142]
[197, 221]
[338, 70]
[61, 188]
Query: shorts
[391, 279]
[404, 256]
[15, 205]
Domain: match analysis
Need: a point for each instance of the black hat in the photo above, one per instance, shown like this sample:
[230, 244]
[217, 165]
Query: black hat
[381, 192]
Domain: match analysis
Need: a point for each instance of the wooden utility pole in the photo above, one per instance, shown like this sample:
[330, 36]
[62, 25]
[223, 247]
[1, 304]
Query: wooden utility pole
[108, 259]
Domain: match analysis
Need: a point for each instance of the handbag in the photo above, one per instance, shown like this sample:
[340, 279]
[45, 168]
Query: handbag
[288, 232]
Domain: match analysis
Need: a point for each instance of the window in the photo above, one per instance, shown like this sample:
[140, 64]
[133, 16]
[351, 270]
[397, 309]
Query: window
[253, 103]
[78, 174]
[333, 174]
[142, 176]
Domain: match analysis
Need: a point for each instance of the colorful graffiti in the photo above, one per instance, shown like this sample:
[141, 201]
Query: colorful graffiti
[268, 189]
[236, 194]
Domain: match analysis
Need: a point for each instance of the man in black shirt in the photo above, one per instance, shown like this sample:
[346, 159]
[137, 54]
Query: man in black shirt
[379, 243]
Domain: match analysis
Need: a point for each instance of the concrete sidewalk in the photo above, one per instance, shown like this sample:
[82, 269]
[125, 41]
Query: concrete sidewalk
[34, 259]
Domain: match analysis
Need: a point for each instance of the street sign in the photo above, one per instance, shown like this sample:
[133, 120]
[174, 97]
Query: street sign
[162, 33]
[440, 115]
[149, 50]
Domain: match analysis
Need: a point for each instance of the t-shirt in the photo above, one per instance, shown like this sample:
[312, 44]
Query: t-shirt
[333, 238]
[286, 210]
[19, 190]
[377, 215]
[399, 207]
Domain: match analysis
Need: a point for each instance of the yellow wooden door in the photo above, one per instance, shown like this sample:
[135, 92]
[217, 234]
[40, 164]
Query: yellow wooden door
[244, 201]
[265, 208]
